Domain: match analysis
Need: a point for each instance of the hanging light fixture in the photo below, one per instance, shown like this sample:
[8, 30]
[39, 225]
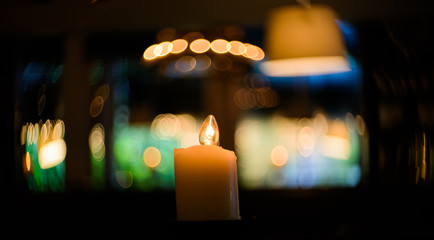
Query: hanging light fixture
[303, 41]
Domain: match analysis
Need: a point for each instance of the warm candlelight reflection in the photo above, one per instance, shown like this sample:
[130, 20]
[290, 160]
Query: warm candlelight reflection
[209, 132]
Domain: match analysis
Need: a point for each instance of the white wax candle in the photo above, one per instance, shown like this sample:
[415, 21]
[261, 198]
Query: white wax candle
[206, 182]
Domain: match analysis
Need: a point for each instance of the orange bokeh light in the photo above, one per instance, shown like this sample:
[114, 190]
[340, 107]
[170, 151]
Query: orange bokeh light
[200, 45]
[220, 46]
[178, 46]
[237, 48]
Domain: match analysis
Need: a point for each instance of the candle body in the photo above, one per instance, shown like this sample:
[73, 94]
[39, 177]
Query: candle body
[206, 183]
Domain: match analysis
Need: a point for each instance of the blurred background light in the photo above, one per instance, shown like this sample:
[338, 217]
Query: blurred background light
[237, 48]
[305, 66]
[152, 157]
[27, 163]
[178, 46]
[303, 41]
[97, 142]
[220, 46]
[103, 91]
[140, 110]
[202, 62]
[305, 153]
[306, 141]
[279, 155]
[149, 53]
[164, 49]
[200, 46]
[143, 151]
[124, 178]
[335, 147]
[52, 153]
[251, 51]
[185, 63]
[259, 55]
[165, 126]
[96, 106]
[45, 152]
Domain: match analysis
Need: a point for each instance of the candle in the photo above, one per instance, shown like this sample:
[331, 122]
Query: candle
[206, 182]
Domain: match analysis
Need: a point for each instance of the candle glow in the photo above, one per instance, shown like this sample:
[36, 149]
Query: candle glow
[209, 132]
[206, 178]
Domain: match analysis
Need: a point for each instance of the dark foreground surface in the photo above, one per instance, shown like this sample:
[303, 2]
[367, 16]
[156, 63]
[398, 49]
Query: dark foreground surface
[266, 214]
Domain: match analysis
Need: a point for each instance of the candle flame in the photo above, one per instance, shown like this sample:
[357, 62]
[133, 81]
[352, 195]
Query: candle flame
[209, 132]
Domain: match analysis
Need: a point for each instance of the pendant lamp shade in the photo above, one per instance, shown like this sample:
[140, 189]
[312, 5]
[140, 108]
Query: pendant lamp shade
[303, 41]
